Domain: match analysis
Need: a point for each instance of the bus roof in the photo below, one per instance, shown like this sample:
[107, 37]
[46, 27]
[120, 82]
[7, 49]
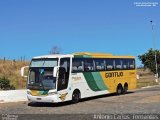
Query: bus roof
[53, 56]
[92, 54]
[98, 55]
[83, 55]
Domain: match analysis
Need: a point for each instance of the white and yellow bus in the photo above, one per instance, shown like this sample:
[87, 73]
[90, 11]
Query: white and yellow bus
[58, 78]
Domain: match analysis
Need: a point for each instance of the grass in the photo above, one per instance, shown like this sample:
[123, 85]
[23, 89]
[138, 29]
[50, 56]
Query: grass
[144, 84]
[147, 78]
[11, 70]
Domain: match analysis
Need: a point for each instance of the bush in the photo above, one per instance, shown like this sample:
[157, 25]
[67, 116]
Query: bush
[5, 84]
[148, 60]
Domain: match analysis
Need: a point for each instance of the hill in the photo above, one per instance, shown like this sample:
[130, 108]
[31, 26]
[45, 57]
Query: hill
[11, 70]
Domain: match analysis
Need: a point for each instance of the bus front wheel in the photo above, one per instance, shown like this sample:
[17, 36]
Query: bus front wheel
[75, 96]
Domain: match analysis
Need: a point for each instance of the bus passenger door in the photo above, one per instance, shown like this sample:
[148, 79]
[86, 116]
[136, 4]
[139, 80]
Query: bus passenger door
[64, 71]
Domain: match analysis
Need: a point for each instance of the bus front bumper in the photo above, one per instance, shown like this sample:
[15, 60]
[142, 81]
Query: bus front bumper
[47, 98]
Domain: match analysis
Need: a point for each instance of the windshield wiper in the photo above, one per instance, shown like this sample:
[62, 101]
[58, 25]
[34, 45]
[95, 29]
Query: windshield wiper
[43, 63]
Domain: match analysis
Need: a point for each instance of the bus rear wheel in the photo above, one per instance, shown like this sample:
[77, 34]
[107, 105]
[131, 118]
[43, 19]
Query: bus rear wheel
[125, 89]
[75, 96]
[119, 89]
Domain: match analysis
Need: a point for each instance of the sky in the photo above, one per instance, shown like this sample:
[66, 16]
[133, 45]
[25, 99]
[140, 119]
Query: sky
[32, 27]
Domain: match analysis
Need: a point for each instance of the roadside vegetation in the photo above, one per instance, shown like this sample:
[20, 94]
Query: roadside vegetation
[146, 78]
[10, 77]
[151, 61]
[148, 60]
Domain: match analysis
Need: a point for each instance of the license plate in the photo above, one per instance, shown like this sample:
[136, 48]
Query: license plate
[39, 99]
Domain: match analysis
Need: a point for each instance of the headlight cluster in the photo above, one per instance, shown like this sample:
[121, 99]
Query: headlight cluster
[28, 92]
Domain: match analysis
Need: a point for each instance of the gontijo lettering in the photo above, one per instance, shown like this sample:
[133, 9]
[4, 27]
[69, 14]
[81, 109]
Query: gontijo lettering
[114, 74]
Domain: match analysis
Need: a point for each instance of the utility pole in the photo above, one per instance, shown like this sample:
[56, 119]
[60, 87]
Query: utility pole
[154, 48]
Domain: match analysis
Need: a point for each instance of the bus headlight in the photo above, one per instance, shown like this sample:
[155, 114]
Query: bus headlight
[28, 92]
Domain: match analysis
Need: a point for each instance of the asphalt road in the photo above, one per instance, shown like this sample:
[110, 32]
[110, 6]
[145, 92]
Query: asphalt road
[142, 101]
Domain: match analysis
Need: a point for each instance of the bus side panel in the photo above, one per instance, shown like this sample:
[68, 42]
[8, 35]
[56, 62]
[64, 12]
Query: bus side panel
[126, 76]
[97, 83]
[78, 82]
[133, 79]
[109, 82]
[89, 84]
[129, 77]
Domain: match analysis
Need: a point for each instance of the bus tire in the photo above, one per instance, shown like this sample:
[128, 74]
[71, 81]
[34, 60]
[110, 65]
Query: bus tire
[119, 89]
[125, 88]
[75, 96]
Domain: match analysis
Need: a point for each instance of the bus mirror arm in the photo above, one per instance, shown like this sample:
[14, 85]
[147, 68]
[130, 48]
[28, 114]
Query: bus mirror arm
[55, 71]
[22, 71]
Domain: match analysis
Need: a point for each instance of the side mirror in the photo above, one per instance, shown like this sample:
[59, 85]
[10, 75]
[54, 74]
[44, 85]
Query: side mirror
[22, 71]
[55, 71]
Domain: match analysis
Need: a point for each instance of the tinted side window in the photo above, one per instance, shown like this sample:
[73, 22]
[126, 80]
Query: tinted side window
[118, 64]
[109, 64]
[125, 64]
[131, 63]
[77, 65]
[88, 65]
[99, 64]
[128, 64]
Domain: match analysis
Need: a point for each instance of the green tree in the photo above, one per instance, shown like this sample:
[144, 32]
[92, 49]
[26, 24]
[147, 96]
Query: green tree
[148, 60]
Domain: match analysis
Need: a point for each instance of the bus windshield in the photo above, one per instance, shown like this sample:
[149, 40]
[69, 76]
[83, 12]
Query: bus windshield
[44, 62]
[41, 74]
